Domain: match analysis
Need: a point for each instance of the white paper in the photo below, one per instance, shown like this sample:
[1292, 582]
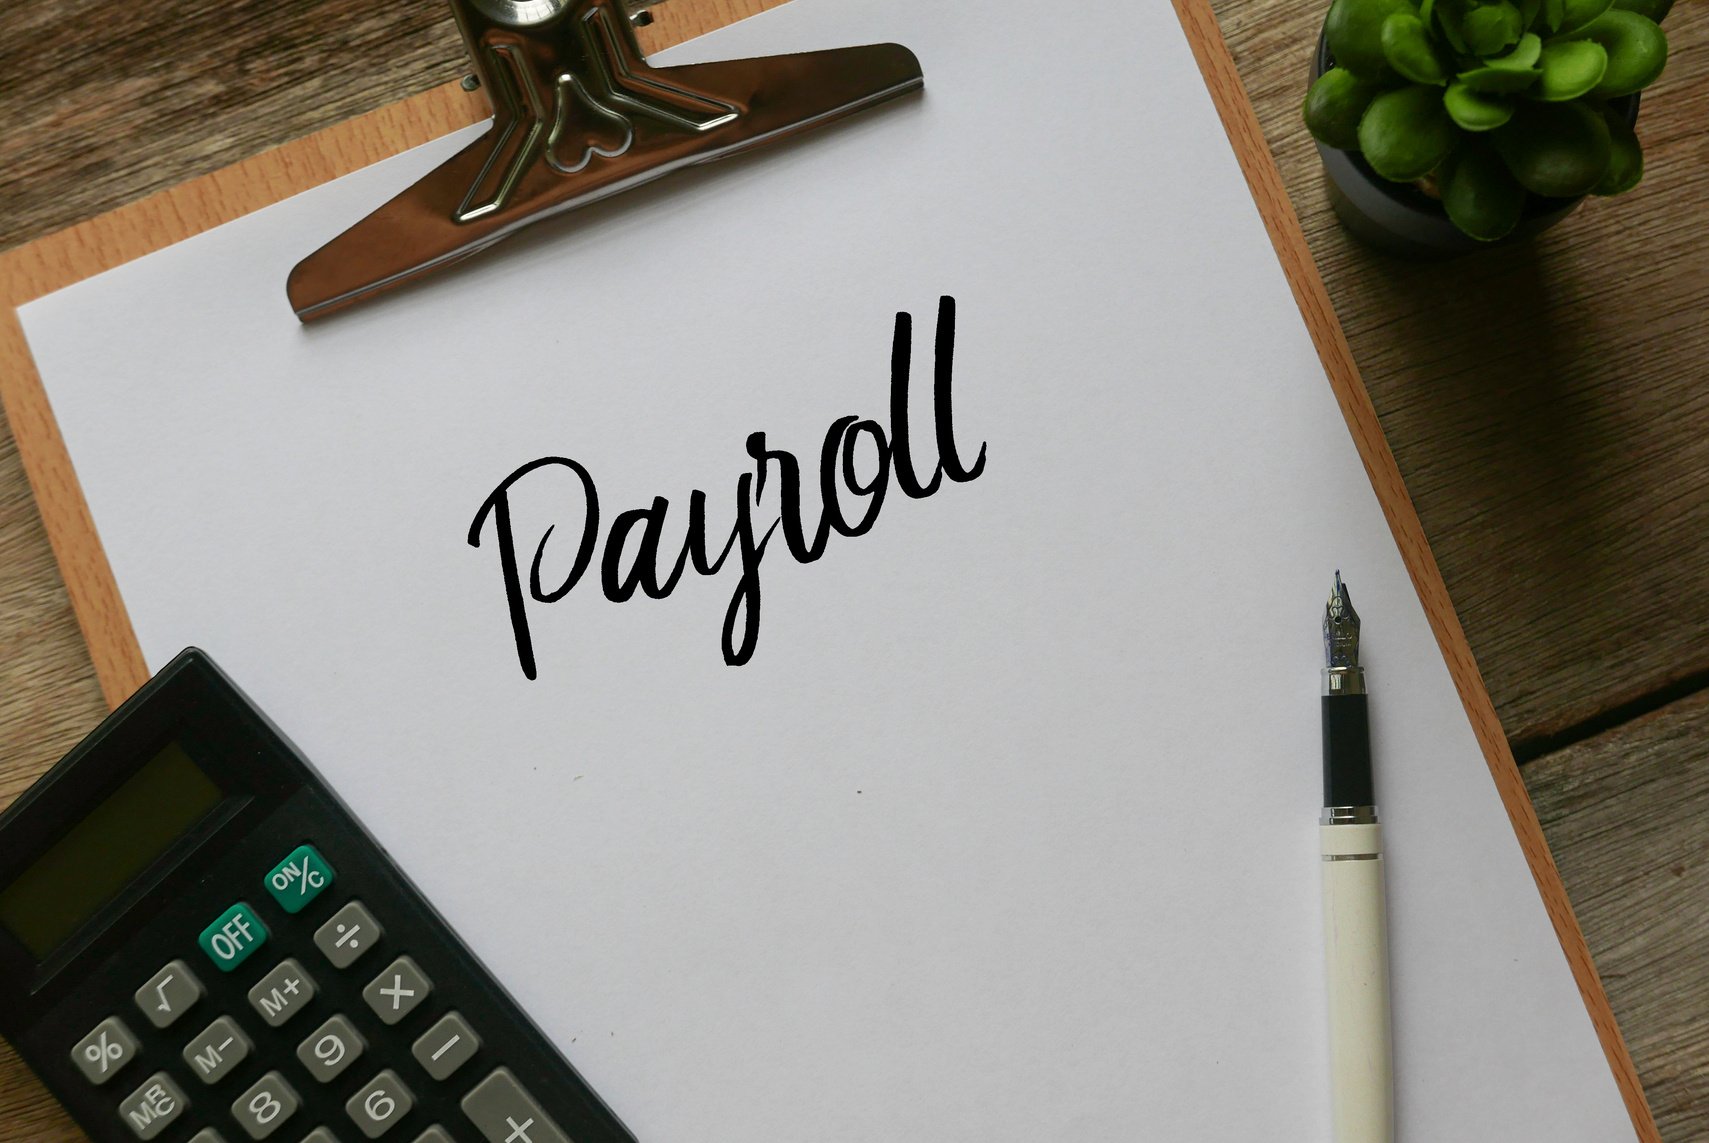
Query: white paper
[1007, 831]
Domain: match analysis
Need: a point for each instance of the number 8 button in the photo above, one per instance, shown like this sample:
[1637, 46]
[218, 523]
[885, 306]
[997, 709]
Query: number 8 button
[377, 1107]
[264, 1107]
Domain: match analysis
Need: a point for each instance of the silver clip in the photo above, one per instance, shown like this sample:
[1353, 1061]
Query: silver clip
[579, 115]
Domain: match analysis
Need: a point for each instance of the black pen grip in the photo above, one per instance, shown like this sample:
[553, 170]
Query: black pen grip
[1346, 752]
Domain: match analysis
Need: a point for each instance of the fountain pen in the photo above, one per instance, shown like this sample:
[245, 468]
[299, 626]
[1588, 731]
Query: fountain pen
[1355, 922]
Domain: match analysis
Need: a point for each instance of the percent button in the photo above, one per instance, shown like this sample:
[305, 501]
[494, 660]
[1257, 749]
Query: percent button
[299, 879]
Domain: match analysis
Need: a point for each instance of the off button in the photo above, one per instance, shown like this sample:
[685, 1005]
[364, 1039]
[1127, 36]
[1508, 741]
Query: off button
[230, 939]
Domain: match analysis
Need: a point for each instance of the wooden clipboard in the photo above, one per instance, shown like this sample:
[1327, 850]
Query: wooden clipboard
[83, 251]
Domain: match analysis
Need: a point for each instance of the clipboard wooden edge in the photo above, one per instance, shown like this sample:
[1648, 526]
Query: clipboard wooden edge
[168, 217]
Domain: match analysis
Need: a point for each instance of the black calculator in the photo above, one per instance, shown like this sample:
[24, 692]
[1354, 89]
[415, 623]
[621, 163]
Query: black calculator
[200, 944]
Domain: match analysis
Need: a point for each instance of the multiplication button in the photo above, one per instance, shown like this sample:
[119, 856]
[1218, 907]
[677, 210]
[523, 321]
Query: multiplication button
[153, 1106]
[108, 1047]
[503, 1111]
[168, 994]
[395, 992]
[349, 934]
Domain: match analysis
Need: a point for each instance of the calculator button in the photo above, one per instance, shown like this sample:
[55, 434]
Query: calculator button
[330, 1049]
[503, 1111]
[397, 990]
[216, 1050]
[207, 1135]
[282, 993]
[263, 1109]
[446, 1046]
[230, 939]
[320, 1135]
[168, 994]
[299, 879]
[151, 1107]
[377, 1108]
[435, 1134]
[348, 935]
[108, 1047]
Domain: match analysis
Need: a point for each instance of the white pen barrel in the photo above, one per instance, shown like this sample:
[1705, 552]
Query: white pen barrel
[1355, 932]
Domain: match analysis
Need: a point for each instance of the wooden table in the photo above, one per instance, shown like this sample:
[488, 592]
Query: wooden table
[1548, 406]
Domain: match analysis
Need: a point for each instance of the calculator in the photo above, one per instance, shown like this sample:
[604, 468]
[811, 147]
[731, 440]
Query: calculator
[200, 944]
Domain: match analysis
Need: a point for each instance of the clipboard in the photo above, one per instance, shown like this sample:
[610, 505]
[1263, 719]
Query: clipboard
[202, 204]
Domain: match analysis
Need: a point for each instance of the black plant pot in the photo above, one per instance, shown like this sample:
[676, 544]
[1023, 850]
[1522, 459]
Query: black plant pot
[1400, 219]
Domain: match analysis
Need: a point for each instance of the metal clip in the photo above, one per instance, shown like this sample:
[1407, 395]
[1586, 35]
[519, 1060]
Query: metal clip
[579, 115]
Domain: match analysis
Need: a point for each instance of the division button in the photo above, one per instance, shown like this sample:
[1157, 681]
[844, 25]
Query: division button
[503, 1111]
[153, 1106]
[235, 934]
[396, 991]
[263, 1109]
[446, 1046]
[108, 1047]
[330, 1049]
[299, 879]
[216, 1050]
[282, 993]
[378, 1107]
[349, 934]
[168, 994]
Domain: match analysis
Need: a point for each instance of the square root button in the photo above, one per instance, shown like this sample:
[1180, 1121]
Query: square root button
[168, 994]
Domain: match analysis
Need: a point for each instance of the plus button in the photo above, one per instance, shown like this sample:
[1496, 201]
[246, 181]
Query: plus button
[397, 991]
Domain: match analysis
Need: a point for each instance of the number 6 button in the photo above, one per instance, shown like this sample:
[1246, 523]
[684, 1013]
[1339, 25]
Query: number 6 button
[377, 1107]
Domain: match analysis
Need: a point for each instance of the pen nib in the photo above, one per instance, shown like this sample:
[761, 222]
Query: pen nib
[1340, 628]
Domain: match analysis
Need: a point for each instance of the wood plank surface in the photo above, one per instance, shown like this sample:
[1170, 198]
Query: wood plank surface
[1546, 402]
[1468, 401]
[1637, 867]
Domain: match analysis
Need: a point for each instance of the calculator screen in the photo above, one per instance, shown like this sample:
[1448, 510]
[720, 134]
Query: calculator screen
[99, 855]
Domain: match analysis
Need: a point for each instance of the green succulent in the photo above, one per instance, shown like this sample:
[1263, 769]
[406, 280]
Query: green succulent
[1485, 101]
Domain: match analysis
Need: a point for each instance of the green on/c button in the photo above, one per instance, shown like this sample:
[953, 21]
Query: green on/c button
[299, 878]
[230, 939]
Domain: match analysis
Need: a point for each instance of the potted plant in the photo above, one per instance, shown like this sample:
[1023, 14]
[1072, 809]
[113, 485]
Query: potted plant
[1448, 124]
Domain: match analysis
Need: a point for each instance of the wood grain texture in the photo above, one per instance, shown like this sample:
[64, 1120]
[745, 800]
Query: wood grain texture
[1546, 402]
[82, 151]
[1625, 811]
